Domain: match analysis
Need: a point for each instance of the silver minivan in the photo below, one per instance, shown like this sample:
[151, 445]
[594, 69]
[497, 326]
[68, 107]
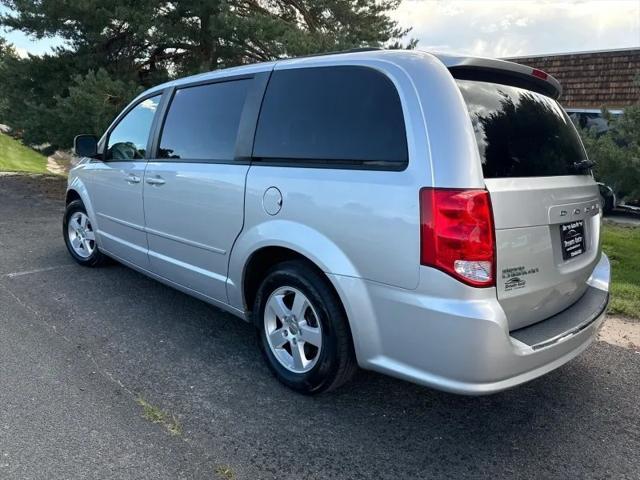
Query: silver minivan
[430, 217]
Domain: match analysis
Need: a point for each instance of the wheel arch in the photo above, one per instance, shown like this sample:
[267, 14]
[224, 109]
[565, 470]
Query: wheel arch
[276, 240]
[72, 196]
[262, 260]
[77, 190]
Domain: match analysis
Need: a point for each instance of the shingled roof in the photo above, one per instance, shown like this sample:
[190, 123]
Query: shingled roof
[593, 79]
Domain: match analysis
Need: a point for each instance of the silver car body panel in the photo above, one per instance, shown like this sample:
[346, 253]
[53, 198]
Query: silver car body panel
[361, 227]
[320, 203]
[528, 213]
[450, 336]
[116, 196]
[192, 221]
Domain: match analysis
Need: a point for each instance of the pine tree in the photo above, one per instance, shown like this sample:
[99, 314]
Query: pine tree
[120, 44]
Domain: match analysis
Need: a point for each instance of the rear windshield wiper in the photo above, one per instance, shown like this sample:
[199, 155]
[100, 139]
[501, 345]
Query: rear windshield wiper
[584, 164]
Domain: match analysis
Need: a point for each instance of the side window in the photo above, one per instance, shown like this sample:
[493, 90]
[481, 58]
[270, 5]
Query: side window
[128, 140]
[202, 122]
[338, 114]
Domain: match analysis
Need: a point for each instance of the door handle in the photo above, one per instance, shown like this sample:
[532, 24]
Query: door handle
[133, 179]
[155, 181]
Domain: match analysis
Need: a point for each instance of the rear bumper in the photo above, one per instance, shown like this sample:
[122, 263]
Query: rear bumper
[569, 322]
[456, 338]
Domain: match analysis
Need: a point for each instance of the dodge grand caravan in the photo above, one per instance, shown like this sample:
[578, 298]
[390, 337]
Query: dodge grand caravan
[427, 216]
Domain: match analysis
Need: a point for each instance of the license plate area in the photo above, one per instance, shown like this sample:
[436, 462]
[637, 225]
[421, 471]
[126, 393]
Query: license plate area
[572, 239]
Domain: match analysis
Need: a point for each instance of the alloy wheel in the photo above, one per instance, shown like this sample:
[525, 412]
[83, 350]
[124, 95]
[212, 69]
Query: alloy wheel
[81, 235]
[293, 329]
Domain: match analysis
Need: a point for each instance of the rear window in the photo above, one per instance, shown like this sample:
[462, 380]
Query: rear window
[332, 115]
[521, 133]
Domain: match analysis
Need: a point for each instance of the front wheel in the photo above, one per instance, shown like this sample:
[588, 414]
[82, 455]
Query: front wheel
[79, 236]
[303, 330]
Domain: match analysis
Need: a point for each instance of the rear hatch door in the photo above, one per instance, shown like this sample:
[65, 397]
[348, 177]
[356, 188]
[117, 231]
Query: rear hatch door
[545, 201]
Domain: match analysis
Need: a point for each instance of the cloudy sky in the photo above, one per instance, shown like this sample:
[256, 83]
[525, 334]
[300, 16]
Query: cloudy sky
[512, 28]
[496, 28]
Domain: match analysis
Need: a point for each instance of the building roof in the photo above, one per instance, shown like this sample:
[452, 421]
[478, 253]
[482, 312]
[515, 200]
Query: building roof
[593, 79]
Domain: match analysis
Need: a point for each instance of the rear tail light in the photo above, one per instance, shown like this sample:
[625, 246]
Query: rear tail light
[457, 234]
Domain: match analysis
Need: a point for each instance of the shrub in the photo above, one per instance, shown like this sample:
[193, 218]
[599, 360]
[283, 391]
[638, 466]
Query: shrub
[617, 154]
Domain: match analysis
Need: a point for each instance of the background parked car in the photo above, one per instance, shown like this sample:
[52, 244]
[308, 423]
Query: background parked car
[591, 118]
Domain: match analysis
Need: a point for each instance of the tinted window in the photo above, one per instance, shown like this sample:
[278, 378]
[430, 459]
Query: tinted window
[128, 140]
[331, 113]
[521, 133]
[202, 122]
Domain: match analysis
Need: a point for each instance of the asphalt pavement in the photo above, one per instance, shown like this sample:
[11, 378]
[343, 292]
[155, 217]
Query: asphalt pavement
[624, 217]
[81, 350]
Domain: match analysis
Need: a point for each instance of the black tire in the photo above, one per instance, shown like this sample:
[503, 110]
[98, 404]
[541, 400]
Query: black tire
[336, 362]
[607, 207]
[97, 258]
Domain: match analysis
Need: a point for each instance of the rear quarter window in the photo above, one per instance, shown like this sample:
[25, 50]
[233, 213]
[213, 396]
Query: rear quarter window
[332, 115]
[521, 133]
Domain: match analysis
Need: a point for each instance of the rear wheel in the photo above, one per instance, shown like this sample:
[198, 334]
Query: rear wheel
[303, 330]
[79, 236]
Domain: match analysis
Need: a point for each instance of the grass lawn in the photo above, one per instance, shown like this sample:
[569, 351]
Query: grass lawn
[15, 157]
[622, 244]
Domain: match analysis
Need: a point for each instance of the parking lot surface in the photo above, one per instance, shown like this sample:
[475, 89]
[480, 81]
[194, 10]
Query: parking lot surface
[81, 350]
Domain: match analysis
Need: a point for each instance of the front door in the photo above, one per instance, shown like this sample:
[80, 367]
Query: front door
[116, 184]
[194, 189]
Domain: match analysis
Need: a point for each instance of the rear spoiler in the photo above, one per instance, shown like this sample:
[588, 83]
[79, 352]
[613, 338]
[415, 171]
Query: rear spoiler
[501, 71]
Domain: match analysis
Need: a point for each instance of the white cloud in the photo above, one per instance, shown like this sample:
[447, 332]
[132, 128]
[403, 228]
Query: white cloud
[451, 9]
[526, 27]
[491, 28]
[149, 104]
[22, 52]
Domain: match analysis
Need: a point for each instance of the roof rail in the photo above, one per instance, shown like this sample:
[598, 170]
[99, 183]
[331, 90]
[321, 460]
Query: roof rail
[336, 52]
[361, 49]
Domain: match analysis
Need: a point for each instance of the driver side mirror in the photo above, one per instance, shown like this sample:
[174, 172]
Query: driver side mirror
[85, 146]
